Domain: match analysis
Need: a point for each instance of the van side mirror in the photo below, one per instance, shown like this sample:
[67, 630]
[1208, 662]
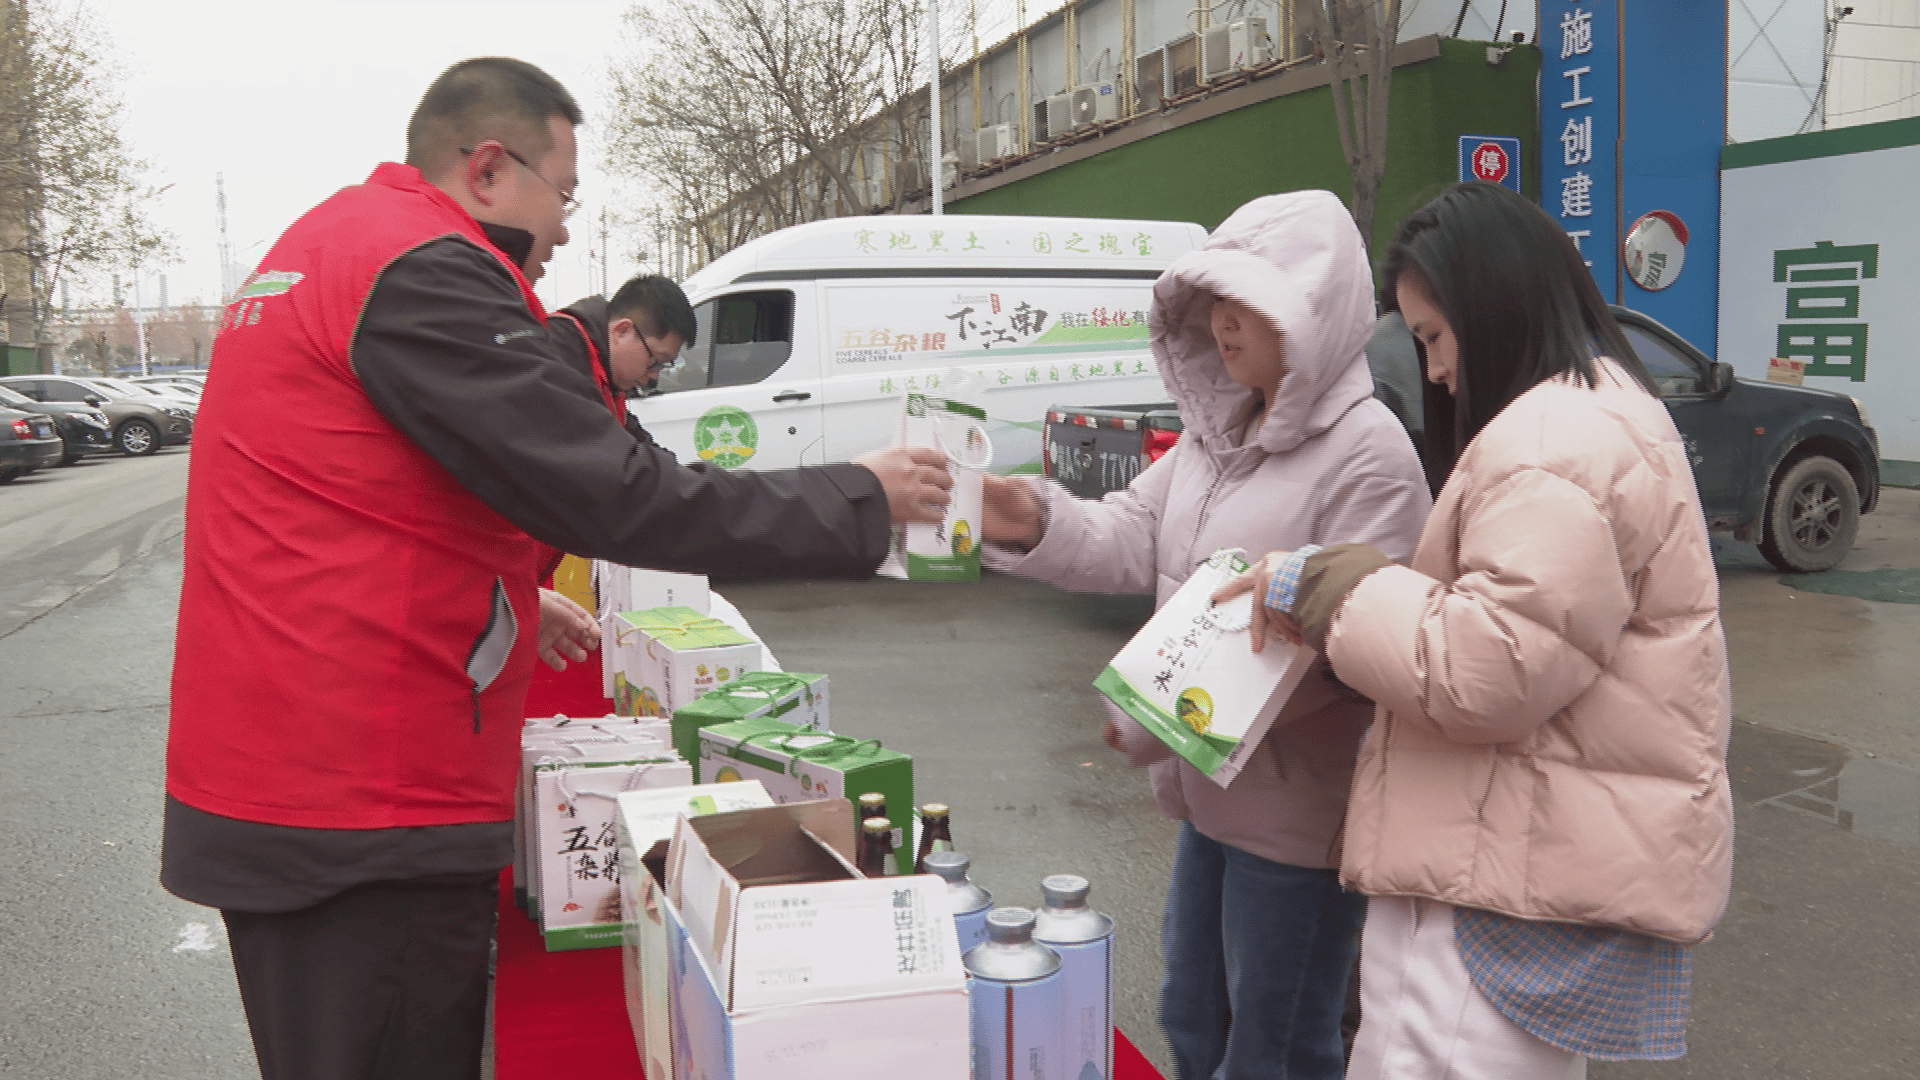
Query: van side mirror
[1719, 379]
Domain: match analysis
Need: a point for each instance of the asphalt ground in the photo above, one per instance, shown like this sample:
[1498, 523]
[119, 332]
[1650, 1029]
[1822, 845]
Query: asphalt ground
[1810, 975]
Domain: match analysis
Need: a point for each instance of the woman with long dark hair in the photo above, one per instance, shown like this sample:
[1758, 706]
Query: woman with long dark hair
[1540, 815]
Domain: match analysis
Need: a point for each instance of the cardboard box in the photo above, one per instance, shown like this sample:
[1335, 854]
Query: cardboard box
[664, 658]
[1190, 677]
[626, 588]
[794, 697]
[645, 824]
[577, 862]
[632, 588]
[573, 739]
[785, 962]
[797, 765]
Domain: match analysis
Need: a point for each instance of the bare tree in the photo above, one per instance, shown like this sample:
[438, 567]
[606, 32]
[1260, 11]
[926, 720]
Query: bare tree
[71, 195]
[1357, 38]
[753, 115]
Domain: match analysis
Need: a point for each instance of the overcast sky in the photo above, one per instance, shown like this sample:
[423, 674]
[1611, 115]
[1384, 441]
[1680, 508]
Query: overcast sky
[294, 101]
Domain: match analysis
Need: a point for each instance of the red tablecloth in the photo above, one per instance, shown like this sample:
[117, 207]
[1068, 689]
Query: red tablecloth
[561, 1016]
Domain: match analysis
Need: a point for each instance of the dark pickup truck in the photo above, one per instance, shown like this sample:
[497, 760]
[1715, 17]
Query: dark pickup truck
[1790, 468]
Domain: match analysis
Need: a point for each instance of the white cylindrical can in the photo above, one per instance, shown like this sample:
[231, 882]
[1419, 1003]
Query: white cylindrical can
[1084, 939]
[970, 902]
[1014, 997]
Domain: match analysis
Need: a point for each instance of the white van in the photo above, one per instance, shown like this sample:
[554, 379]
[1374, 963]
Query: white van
[810, 337]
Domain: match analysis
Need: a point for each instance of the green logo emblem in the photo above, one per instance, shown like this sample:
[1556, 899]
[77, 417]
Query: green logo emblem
[275, 284]
[725, 436]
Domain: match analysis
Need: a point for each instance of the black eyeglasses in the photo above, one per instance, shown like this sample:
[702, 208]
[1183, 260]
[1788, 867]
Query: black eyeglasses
[568, 204]
[654, 358]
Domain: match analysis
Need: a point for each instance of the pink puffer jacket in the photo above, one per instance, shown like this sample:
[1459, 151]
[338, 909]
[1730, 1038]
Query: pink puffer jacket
[1329, 465]
[1551, 674]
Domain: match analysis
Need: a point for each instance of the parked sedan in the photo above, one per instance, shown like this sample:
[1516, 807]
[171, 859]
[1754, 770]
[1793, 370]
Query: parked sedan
[28, 441]
[83, 429]
[142, 423]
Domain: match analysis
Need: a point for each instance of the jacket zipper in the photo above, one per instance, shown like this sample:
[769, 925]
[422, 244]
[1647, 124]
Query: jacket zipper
[1200, 524]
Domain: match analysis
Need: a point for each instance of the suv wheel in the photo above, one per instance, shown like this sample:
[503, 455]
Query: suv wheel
[1812, 515]
[137, 437]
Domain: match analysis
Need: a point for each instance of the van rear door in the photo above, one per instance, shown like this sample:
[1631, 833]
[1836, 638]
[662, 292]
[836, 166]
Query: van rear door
[747, 393]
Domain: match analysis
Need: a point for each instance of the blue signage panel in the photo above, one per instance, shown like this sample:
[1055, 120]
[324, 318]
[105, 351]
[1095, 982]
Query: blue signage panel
[1493, 158]
[1674, 116]
[1580, 129]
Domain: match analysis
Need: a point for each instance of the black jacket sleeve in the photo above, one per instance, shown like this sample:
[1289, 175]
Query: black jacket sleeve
[447, 350]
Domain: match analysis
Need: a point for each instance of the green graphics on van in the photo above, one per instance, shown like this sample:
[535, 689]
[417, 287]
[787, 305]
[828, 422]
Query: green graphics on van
[791, 696]
[797, 765]
[725, 436]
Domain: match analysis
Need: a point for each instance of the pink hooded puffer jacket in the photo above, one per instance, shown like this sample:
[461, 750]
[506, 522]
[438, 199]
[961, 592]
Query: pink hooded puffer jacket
[1329, 465]
[1551, 740]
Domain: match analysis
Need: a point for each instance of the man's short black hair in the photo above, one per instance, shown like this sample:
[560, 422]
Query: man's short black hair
[656, 305]
[487, 97]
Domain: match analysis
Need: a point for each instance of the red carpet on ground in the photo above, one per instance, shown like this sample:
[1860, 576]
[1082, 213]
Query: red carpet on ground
[562, 1016]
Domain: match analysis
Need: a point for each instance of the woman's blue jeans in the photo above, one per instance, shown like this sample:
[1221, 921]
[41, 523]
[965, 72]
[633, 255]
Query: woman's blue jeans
[1258, 954]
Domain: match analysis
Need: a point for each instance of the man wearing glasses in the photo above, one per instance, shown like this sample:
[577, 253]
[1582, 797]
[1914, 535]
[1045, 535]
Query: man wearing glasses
[391, 454]
[629, 341]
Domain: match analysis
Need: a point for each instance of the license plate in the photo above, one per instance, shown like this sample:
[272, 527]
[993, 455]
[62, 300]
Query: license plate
[45, 430]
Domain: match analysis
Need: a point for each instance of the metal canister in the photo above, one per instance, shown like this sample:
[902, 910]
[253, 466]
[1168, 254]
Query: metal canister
[970, 902]
[1084, 939]
[1014, 998]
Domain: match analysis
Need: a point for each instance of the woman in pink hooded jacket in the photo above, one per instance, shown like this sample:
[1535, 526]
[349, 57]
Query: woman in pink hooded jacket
[1540, 814]
[1259, 336]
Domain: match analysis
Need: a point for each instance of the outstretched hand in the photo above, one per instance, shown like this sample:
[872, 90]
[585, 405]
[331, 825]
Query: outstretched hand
[1010, 512]
[1265, 619]
[915, 479]
[567, 631]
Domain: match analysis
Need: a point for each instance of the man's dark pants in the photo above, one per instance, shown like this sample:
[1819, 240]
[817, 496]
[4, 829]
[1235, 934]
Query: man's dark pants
[386, 981]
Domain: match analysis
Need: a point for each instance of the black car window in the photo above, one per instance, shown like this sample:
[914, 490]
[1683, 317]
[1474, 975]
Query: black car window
[61, 390]
[742, 339]
[1673, 373]
[13, 400]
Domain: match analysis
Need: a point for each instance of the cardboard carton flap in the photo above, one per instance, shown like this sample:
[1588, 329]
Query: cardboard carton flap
[712, 856]
[842, 939]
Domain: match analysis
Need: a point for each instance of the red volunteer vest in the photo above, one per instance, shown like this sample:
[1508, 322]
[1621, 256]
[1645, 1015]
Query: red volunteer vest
[338, 581]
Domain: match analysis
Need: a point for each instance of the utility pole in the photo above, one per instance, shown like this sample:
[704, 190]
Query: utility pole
[226, 249]
[936, 158]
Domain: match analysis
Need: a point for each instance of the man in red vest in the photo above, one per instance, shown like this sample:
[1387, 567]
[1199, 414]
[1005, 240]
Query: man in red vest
[389, 457]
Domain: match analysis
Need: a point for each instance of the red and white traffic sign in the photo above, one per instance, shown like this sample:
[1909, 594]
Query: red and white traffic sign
[1490, 162]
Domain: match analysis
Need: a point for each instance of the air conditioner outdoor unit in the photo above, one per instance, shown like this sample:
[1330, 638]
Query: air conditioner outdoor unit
[1248, 45]
[1095, 103]
[1150, 79]
[967, 145]
[1183, 65]
[998, 141]
[1214, 56]
[1041, 132]
[1059, 114]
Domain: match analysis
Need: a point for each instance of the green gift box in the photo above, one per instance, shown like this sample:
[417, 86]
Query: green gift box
[795, 765]
[792, 696]
[663, 658]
